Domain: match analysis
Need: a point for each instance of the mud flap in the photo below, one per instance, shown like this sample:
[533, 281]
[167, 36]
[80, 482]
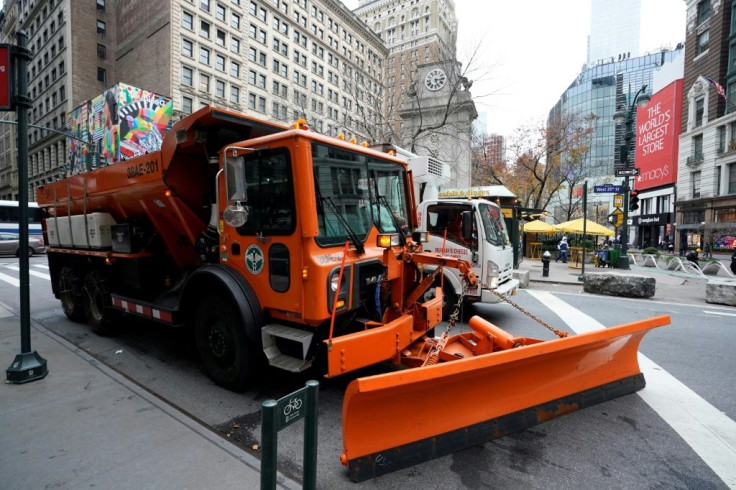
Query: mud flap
[399, 419]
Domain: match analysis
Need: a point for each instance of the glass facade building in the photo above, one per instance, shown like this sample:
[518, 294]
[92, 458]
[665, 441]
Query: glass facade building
[614, 29]
[600, 90]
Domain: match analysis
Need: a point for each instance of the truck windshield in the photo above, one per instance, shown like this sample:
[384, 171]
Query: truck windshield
[364, 190]
[493, 225]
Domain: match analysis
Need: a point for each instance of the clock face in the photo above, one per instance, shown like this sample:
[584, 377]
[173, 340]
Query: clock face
[435, 79]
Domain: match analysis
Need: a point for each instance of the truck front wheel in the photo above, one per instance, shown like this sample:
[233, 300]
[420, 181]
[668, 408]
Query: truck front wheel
[222, 344]
[69, 287]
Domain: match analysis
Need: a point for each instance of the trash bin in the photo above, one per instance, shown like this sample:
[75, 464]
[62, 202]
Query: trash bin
[613, 256]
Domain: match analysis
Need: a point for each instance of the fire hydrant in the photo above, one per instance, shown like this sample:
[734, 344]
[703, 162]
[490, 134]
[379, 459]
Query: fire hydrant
[545, 263]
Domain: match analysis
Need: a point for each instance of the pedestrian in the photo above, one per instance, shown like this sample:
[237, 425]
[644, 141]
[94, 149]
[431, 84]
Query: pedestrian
[733, 262]
[706, 252]
[692, 256]
[671, 247]
[562, 247]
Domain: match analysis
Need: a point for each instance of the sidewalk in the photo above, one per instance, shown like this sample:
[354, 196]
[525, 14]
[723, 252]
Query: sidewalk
[86, 425]
[670, 286]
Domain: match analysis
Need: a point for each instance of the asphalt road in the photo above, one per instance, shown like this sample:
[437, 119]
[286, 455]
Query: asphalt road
[629, 442]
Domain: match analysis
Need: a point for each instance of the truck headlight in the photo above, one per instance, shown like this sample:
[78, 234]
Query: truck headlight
[333, 282]
[492, 274]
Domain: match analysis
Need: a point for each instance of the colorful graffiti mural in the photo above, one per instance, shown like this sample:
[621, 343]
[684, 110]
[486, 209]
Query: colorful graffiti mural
[121, 123]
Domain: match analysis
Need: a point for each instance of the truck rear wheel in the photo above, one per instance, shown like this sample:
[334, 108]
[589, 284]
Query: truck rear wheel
[222, 344]
[73, 299]
[100, 315]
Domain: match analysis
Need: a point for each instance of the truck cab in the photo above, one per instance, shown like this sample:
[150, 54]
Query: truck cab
[474, 231]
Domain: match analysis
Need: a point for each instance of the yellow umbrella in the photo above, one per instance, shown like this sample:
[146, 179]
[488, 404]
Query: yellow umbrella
[576, 226]
[538, 226]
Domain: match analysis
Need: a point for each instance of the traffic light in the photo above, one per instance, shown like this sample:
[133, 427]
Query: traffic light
[634, 201]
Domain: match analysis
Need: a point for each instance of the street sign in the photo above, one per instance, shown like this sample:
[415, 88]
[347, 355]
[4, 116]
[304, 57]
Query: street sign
[618, 200]
[6, 86]
[607, 188]
[627, 172]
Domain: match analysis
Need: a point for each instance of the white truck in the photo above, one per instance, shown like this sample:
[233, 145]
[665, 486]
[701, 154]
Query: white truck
[469, 229]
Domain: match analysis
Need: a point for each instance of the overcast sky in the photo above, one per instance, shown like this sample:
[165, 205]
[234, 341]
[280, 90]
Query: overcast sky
[533, 50]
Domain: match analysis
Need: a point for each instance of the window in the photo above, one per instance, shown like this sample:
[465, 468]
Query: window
[101, 75]
[699, 108]
[187, 76]
[204, 82]
[220, 37]
[187, 21]
[696, 184]
[252, 101]
[235, 95]
[220, 12]
[721, 139]
[204, 56]
[219, 62]
[703, 39]
[703, 11]
[204, 5]
[186, 105]
[204, 29]
[101, 28]
[697, 148]
[235, 21]
[261, 81]
[219, 89]
[235, 69]
[101, 51]
[235, 45]
[100, 5]
[270, 194]
[732, 178]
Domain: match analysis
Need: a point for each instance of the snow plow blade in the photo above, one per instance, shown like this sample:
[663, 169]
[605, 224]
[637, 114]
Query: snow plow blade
[395, 420]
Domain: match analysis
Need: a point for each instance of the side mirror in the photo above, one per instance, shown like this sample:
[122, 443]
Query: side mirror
[235, 183]
[467, 224]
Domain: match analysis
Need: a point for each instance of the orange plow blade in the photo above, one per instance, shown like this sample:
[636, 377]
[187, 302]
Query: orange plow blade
[395, 420]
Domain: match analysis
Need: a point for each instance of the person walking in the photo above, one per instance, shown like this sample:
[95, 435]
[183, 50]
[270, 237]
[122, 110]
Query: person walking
[563, 248]
[733, 262]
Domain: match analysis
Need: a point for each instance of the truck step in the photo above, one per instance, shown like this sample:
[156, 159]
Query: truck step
[300, 341]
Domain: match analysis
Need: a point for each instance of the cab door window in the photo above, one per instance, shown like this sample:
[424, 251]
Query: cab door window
[443, 217]
[270, 204]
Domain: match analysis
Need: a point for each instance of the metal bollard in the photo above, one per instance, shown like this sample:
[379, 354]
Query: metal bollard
[545, 263]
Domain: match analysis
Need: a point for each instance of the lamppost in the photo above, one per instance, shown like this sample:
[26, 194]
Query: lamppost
[626, 116]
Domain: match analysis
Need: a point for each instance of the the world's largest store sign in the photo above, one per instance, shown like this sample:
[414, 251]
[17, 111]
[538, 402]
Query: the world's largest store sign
[657, 129]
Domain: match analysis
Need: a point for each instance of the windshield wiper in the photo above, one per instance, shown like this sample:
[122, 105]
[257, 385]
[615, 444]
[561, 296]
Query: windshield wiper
[382, 199]
[357, 243]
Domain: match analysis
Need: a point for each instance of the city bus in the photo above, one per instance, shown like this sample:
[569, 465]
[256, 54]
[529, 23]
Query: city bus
[9, 218]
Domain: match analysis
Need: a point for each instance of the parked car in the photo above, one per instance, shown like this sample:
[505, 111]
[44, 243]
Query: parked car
[10, 244]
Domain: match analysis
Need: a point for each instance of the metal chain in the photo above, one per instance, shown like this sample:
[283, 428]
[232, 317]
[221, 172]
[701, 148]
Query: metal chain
[559, 333]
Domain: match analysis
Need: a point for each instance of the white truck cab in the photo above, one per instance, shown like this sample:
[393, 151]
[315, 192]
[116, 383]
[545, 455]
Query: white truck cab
[472, 230]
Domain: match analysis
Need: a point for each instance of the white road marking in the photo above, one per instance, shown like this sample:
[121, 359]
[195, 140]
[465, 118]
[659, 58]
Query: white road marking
[31, 272]
[10, 280]
[709, 432]
[41, 266]
[710, 312]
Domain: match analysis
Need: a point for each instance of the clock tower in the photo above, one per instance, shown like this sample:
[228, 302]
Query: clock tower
[437, 118]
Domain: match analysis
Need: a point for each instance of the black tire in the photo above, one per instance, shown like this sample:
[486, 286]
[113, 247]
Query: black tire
[222, 344]
[449, 297]
[71, 294]
[100, 314]
[30, 252]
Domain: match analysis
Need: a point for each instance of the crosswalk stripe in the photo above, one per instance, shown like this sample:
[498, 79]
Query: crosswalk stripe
[708, 431]
[31, 272]
[10, 280]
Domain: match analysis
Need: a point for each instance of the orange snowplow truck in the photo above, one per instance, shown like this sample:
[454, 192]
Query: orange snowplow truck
[284, 247]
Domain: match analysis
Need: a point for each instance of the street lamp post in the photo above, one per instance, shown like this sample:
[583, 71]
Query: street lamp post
[627, 116]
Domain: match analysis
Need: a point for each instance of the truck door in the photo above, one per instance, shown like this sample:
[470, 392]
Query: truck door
[270, 260]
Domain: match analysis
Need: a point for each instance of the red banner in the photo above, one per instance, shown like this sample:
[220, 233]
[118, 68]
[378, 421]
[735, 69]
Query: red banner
[5, 78]
[658, 126]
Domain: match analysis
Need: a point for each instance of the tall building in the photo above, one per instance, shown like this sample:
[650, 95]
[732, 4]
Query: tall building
[614, 30]
[706, 179]
[273, 59]
[416, 33]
